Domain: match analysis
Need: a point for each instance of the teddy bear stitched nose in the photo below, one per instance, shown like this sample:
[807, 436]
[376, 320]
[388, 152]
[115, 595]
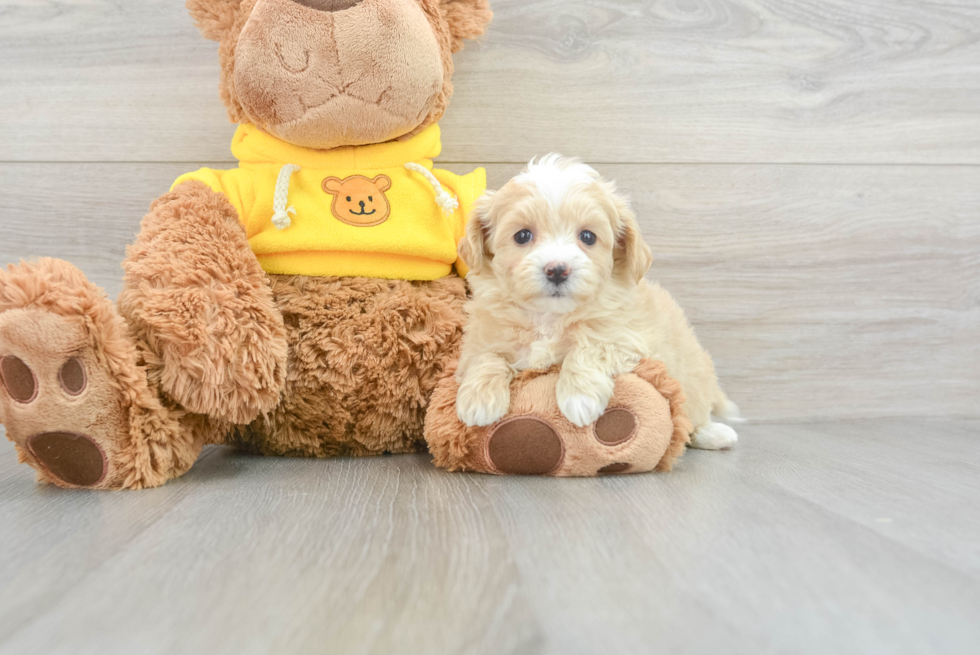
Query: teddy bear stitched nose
[329, 5]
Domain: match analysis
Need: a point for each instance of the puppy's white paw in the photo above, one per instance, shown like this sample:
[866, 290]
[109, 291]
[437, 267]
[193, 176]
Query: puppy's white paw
[714, 436]
[480, 405]
[581, 410]
[583, 397]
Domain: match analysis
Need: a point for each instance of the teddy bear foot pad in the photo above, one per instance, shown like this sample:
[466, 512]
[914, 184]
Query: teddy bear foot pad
[59, 409]
[529, 445]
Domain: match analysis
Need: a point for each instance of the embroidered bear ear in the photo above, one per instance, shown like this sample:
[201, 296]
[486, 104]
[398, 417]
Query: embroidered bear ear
[215, 18]
[467, 19]
[382, 183]
[333, 185]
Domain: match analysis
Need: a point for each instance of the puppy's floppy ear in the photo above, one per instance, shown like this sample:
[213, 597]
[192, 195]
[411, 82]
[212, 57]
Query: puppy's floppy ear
[632, 254]
[467, 19]
[474, 248]
[215, 18]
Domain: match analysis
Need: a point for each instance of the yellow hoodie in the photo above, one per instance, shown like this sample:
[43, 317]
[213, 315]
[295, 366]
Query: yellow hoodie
[378, 211]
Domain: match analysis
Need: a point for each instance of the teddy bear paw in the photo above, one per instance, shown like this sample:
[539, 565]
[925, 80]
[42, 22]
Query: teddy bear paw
[58, 402]
[640, 431]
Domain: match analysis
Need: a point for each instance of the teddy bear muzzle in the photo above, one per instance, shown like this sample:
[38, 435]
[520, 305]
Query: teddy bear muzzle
[308, 71]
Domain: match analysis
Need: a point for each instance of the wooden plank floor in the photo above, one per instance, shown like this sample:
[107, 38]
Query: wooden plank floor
[852, 537]
[807, 173]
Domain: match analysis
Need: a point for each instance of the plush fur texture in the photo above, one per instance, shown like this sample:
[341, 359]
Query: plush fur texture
[202, 309]
[364, 357]
[597, 320]
[205, 347]
[648, 393]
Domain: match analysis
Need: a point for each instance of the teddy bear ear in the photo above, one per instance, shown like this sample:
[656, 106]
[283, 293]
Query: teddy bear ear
[382, 183]
[333, 185]
[467, 19]
[215, 18]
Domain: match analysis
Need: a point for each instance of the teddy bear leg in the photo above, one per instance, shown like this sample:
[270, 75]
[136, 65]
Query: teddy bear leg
[73, 397]
[201, 308]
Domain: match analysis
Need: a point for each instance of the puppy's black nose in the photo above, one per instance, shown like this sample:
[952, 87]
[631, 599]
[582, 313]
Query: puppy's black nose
[362, 204]
[557, 272]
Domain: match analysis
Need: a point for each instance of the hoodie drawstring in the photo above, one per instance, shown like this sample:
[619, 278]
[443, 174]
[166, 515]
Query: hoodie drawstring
[281, 216]
[444, 199]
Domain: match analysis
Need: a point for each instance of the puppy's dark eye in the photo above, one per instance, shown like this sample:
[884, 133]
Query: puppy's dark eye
[588, 238]
[348, 198]
[524, 236]
[370, 198]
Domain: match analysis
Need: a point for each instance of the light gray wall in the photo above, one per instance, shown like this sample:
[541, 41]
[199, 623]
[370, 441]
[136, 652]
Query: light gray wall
[807, 173]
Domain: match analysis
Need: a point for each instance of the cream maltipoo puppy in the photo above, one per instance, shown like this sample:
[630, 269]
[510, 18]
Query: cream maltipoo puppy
[557, 272]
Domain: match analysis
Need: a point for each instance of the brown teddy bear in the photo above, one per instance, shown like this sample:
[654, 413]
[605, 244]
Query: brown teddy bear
[304, 303]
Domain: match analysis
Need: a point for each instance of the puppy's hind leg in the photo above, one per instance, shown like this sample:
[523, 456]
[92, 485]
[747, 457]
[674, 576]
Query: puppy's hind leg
[713, 436]
[727, 411]
[718, 436]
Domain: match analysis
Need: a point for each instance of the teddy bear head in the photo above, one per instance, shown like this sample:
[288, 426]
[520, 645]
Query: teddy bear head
[330, 73]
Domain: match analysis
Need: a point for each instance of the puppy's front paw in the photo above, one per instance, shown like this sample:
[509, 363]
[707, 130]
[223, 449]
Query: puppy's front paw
[582, 410]
[582, 399]
[482, 403]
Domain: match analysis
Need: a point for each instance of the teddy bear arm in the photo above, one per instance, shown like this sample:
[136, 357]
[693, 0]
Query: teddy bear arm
[201, 307]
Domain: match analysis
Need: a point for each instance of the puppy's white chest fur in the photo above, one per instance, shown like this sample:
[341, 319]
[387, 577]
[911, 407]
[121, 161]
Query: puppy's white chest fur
[543, 344]
[539, 355]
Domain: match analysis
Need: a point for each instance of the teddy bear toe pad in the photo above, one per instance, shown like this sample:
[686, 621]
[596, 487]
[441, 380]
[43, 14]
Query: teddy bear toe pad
[18, 379]
[525, 445]
[612, 469]
[616, 426]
